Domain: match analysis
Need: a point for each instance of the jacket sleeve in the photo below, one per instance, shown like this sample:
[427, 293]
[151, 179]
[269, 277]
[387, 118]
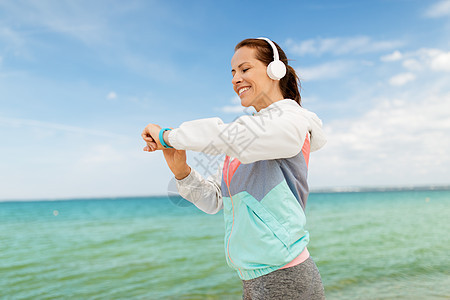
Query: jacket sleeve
[279, 134]
[206, 194]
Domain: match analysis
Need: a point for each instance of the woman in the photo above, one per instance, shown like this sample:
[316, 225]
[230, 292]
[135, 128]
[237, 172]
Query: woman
[262, 186]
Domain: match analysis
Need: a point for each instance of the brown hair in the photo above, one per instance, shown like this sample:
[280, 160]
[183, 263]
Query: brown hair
[290, 83]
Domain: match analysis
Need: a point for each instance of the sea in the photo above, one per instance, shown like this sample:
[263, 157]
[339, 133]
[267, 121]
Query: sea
[367, 245]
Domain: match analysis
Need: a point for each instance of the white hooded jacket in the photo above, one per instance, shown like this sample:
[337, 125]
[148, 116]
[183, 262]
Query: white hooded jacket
[277, 131]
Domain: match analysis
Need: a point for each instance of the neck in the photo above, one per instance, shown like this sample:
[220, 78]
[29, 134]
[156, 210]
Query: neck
[274, 97]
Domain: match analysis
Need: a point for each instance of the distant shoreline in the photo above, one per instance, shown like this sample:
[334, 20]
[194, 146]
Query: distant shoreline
[329, 190]
[381, 189]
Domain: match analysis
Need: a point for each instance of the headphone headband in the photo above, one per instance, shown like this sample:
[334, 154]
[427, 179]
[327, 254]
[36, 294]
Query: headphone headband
[275, 51]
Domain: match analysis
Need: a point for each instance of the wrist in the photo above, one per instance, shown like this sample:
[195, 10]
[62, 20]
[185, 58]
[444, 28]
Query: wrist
[166, 138]
[183, 173]
[161, 137]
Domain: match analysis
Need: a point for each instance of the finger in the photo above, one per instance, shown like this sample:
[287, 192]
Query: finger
[145, 133]
[152, 144]
[151, 147]
[149, 140]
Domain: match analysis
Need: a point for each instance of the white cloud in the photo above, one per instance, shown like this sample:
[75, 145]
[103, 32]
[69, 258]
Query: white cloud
[434, 59]
[439, 9]
[232, 109]
[441, 62]
[340, 46]
[396, 55]
[236, 100]
[111, 95]
[403, 140]
[418, 62]
[236, 107]
[328, 70]
[412, 64]
[401, 79]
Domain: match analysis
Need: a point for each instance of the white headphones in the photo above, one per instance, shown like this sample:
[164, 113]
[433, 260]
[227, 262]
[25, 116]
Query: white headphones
[276, 69]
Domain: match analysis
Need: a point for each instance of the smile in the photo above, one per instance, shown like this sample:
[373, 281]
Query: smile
[242, 90]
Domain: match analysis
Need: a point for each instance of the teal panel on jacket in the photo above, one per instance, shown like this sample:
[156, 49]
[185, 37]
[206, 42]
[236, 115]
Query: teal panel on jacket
[264, 235]
[253, 243]
[285, 208]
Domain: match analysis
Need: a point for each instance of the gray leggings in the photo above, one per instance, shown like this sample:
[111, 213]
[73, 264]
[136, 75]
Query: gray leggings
[298, 282]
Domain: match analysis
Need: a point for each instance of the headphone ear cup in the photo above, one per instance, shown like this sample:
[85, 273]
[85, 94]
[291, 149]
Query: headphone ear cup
[276, 70]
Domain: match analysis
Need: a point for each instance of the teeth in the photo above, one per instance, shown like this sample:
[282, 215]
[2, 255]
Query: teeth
[243, 90]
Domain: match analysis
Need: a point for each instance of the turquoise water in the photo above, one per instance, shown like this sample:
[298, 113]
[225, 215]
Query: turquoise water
[381, 245]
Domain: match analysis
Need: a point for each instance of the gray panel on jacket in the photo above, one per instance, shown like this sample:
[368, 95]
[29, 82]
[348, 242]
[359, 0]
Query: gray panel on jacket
[260, 177]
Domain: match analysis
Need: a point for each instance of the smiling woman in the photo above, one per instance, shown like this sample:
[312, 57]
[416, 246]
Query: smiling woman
[261, 186]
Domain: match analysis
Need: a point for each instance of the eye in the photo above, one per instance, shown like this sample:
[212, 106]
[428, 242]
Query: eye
[245, 70]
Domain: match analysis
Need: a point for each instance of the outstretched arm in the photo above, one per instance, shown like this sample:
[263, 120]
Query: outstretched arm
[204, 193]
[176, 160]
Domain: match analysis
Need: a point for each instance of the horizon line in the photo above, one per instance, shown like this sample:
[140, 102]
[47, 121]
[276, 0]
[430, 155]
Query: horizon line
[344, 189]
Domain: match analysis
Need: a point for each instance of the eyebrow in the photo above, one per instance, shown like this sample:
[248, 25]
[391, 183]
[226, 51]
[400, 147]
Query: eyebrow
[240, 65]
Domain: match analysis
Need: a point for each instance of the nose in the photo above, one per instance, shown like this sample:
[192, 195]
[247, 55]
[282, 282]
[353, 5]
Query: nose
[236, 78]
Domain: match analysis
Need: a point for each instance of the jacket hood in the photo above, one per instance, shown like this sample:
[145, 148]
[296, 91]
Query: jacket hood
[318, 138]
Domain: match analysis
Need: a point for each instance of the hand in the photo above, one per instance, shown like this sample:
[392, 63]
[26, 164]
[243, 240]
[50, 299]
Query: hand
[151, 137]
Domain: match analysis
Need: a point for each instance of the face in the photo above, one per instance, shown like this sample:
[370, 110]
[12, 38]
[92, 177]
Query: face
[251, 82]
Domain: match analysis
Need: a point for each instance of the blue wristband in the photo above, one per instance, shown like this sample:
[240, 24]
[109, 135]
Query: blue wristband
[161, 137]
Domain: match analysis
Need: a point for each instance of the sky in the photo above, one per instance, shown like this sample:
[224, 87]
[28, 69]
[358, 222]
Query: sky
[79, 81]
